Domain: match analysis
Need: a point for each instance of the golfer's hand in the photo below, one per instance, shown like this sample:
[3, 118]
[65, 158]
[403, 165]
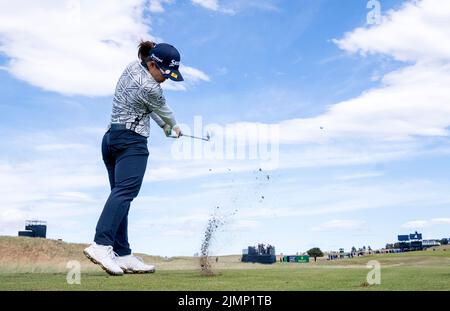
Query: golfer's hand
[167, 130]
[177, 131]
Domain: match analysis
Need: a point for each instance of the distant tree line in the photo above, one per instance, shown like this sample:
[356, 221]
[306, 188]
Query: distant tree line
[317, 252]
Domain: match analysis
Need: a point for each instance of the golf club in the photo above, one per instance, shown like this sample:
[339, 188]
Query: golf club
[208, 137]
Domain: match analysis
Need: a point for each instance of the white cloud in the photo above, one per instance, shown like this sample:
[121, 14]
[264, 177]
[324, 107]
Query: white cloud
[420, 224]
[75, 196]
[415, 224]
[53, 147]
[364, 175]
[50, 185]
[441, 221]
[418, 32]
[235, 6]
[332, 198]
[156, 6]
[412, 101]
[73, 47]
[339, 224]
[207, 4]
[11, 219]
[243, 224]
[191, 76]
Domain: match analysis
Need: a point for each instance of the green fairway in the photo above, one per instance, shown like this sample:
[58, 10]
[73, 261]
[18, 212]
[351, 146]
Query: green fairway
[38, 264]
[280, 278]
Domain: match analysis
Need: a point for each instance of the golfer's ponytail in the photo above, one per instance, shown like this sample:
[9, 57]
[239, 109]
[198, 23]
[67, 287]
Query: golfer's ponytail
[144, 49]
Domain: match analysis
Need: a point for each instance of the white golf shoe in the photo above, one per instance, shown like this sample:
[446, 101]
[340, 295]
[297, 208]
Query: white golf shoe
[133, 264]
[104, 256]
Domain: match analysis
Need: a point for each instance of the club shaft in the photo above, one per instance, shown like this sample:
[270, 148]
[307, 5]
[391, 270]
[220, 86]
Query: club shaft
[190, 136]
[202, 138]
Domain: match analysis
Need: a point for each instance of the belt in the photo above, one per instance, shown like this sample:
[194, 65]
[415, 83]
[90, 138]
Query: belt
[120, 126]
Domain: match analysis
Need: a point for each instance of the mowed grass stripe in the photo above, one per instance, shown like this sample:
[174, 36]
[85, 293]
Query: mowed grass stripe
[393, 278]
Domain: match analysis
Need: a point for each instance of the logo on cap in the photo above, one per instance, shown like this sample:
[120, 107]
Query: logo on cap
[156, 58]
[174, 63]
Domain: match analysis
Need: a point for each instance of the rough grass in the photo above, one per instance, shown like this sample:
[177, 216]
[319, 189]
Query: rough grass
[38, 264]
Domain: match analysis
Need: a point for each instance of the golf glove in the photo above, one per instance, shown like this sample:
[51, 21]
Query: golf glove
[168, 130]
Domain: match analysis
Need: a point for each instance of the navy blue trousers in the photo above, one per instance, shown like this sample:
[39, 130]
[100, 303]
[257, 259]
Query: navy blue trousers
[125, 155]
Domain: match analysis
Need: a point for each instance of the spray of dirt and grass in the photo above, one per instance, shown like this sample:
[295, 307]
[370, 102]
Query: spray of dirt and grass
[219, 219]
[216, 224]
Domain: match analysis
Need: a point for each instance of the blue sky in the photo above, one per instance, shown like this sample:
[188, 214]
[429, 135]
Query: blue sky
[362, 110]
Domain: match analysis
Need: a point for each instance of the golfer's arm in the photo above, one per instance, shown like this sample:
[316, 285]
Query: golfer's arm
[157, 119]
[161, 112]
[165, 114]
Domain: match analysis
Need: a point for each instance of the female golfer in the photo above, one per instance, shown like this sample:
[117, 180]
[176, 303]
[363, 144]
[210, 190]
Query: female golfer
[138, 97]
